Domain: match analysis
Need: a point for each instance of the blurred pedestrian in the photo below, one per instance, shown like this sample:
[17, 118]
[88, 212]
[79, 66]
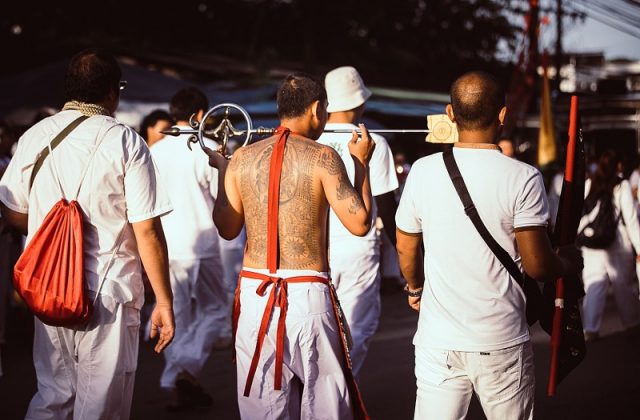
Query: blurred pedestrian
[10, 241]
[87, 371]
[152, 125]
[472, 335]
[506, 146]
[200, 300]
[613, 265]
[355, 261]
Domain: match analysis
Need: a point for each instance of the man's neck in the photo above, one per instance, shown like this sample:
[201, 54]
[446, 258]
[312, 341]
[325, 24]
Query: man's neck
[297, 125]
[183, 123]
[487, 136]
[342, 117]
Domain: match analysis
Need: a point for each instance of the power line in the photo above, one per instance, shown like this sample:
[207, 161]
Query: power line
[608, 18]
[615, 12]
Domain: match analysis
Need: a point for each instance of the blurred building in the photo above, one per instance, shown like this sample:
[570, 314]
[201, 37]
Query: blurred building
[609, 102]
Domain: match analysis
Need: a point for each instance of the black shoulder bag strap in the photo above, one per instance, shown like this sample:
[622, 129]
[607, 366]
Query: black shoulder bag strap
[471, 211]
[54, 143]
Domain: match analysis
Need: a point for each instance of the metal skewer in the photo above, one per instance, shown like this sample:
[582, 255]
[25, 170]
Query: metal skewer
[440, 130]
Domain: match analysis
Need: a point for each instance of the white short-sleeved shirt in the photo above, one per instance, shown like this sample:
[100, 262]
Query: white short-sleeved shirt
[382, 174]
[470, 302]
[120, 188]
[192, 186]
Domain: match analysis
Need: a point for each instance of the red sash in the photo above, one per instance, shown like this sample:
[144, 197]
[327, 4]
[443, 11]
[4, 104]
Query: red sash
[278, 294]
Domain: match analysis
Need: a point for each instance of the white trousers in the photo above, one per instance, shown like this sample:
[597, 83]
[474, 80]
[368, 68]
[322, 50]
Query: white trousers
[601, 269]
[200, 306]
[87, 373]
[503, 380]
[313, 383]
[356, 276]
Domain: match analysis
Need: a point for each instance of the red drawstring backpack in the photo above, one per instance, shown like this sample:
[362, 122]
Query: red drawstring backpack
[49, 275]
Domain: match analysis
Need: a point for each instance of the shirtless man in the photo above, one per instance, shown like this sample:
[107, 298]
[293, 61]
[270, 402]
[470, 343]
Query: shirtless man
[286, 260]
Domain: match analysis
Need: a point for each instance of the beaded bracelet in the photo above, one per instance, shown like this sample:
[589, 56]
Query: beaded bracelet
[412, 293]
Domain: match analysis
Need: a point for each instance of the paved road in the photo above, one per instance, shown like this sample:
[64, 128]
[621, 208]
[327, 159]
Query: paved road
[605, 386]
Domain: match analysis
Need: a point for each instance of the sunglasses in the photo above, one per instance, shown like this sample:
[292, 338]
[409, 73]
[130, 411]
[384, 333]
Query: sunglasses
[122, 84]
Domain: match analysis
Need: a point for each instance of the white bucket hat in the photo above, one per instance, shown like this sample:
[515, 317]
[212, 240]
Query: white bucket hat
[345, 89]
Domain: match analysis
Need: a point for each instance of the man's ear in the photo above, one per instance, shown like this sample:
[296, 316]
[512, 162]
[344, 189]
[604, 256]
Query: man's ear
[502, 115]
[199, 115]
[314, 108]
[449, 111]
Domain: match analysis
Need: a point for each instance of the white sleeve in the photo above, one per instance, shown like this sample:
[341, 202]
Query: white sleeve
[531, 207]
[144, 194]
[634, 179]
[213, 183]
[211, 173]
[14, 185]
[407, 217]
[629, 214]
[382, 168]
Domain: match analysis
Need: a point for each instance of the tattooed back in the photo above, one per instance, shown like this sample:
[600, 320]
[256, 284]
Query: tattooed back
[302, 224]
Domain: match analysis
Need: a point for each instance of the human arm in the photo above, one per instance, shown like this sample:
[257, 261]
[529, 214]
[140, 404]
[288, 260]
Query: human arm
[20, 221]
[228, 212]
[351, 203]
[538, 258]
[411, 262]
[387, 207]
[152, 247]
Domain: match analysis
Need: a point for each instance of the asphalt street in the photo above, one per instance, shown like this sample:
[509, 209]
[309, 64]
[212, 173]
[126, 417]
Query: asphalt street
[605, 386]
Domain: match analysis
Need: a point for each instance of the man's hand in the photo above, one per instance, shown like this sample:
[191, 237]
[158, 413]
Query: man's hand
[162, 323]
[572, 259]
[361, 148]
[216, 159]
[414, 303]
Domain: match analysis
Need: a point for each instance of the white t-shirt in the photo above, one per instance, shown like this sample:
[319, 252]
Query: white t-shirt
[192, 186]
[382, 175]
[119, 188]
[470, 302]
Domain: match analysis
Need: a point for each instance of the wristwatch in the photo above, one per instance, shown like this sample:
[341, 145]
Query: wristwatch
[412, 293]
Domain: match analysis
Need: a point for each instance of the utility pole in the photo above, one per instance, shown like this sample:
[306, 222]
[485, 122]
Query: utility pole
[533, 59]
[558, 55]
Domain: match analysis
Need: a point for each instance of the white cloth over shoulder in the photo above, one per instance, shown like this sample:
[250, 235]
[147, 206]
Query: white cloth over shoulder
[470, 302]
[120, 188]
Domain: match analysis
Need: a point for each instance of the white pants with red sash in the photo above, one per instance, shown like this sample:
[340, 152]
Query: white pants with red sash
[313, 384]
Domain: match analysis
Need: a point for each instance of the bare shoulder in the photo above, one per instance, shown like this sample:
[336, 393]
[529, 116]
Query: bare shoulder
[330, 160]
[243, 156]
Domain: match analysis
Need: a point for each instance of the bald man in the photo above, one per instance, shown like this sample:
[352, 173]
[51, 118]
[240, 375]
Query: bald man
[472, 332]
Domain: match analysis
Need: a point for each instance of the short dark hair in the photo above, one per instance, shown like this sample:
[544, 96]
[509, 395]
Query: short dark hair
[297, 92]
[187, 102]
[92, 75]
[477, 99]
[151, 119]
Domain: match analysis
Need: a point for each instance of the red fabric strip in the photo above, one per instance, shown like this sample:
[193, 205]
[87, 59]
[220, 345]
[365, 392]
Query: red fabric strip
[275, 170]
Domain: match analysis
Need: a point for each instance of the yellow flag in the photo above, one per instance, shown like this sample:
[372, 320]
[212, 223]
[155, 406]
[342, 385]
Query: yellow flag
[547, 136]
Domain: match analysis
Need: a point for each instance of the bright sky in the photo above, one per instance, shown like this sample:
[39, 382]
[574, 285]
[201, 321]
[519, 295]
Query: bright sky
[594, 36]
